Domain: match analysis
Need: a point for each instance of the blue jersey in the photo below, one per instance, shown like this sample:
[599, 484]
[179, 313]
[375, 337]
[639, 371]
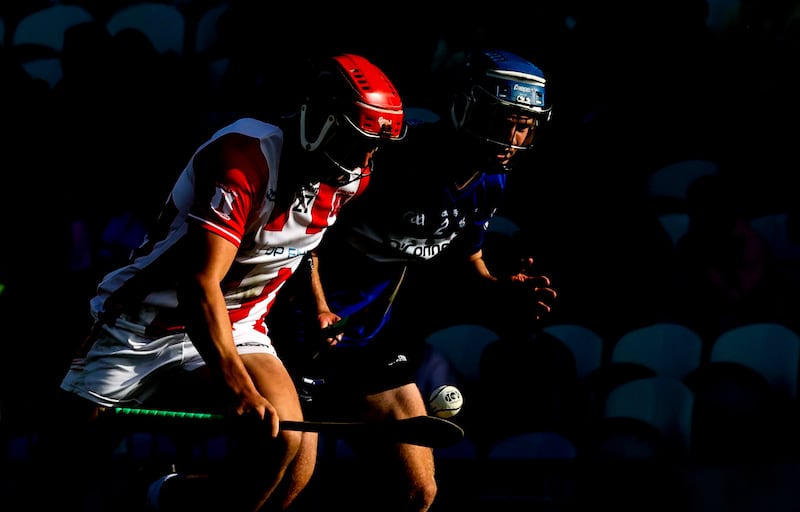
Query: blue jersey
[422, 219]
[413, 212]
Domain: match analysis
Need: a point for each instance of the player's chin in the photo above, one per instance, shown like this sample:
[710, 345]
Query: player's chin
[504, 159]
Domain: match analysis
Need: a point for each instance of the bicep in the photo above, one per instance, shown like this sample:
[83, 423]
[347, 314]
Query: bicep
[212, 254]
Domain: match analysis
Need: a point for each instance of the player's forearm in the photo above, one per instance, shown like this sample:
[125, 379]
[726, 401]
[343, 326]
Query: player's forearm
[478, 263]
[209, 328]
[317, 290]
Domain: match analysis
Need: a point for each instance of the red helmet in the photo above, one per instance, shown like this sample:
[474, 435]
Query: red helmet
[351, 110]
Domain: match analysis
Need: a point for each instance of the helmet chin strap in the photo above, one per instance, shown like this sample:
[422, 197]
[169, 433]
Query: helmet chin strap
[313, 146]
[352, 174]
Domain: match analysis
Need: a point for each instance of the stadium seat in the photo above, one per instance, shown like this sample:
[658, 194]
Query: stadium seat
[46, 27]
[48, 69]
[675, 224]
[669, 349]
[663, 402]
[206, 35]
[667, 186]
[163, 24]
[463, 344]
[586, 345]
[543, 445]
[774, 228]
[772, 349]
[529, 471]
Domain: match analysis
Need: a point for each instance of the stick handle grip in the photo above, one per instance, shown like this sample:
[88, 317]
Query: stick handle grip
[156, 413]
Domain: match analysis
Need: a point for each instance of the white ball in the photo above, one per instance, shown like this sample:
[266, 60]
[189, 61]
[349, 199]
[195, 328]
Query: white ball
[445, 401]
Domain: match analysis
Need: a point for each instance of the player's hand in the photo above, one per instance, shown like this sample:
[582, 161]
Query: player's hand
[535, 286]
[331, 328]
[257, 409]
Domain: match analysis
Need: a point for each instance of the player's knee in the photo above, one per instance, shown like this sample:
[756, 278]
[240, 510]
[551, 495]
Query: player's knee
[429, 493]
[281, 450]
[422, 495]
[290, 440]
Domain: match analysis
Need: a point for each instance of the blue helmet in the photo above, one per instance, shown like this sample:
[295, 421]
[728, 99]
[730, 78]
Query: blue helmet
[498, 84]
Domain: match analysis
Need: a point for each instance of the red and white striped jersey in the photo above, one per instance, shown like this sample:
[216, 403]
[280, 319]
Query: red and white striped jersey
[229, 188]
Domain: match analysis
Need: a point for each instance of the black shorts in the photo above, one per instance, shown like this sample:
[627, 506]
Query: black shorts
[335, 383]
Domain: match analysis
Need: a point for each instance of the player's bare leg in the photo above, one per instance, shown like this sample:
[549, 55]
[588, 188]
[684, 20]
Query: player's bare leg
[411, 467]
[298, 476]
[266, 459]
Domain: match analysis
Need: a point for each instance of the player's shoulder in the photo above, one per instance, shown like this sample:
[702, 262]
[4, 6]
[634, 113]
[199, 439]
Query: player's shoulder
[251, 126]
[245, 135]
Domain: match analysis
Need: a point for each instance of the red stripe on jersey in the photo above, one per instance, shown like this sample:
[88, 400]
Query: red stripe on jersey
[239, 314]
[328, 204]
[323, 208]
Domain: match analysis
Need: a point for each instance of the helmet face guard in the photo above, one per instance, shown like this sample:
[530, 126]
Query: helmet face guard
[356, 109]
[503, 95]
[495, 122]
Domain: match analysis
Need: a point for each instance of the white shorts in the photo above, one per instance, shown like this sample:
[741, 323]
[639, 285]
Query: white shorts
[123, 369]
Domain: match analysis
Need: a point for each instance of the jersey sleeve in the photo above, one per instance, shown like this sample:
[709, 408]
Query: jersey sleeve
[487, 198]
[231, 176]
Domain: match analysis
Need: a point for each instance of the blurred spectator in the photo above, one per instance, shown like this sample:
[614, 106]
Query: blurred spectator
[726, 274]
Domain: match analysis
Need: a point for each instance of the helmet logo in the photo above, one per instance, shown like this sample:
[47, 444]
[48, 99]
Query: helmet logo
[384, 124]
[524, 94]
[528, 95]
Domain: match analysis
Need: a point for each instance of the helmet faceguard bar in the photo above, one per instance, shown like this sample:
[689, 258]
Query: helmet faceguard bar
[313, 146]
[494, 123]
